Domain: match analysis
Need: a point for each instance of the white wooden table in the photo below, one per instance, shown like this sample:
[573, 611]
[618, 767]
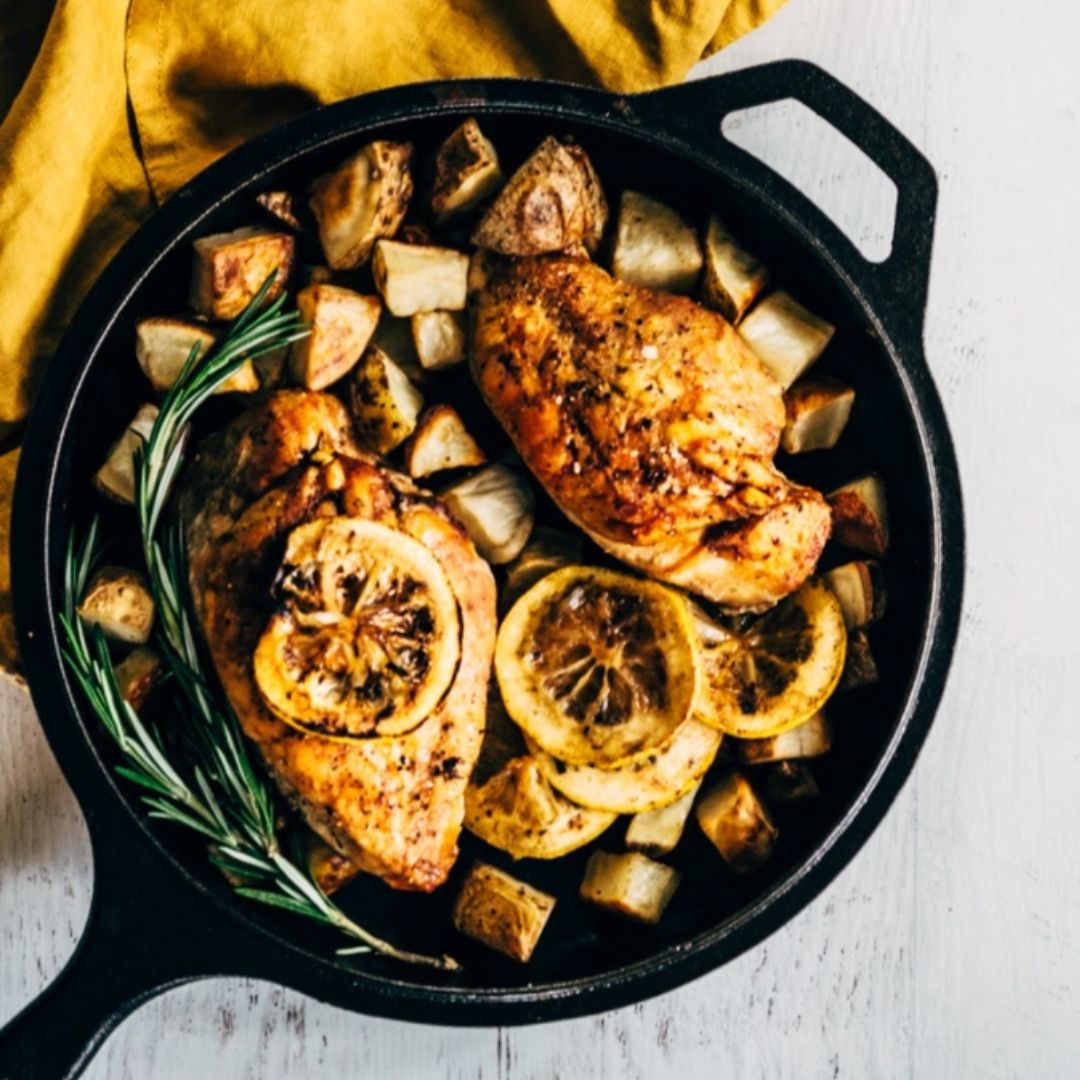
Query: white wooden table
[950, 947]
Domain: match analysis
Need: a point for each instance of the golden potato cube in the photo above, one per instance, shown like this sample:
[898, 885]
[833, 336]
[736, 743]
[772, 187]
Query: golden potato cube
[817, 413]
[162, 348]
[466, 171]
[860, 667]
[733, 277]
[786, 337]
[860, 589]
[654, 246]
[789, 781]
[116, 478]
[658, 832]
[548, 550]
[439, 338]
[385, 404]
[119, 601]
[860, 518]
[342, 323]
[230, 268]
[811, 738]
[138, 674]
[364, 199]
[501, 912]
[440, 442]
[552, 202]
[739, 826]
[496, 507]
[630, 884]
[416, 277]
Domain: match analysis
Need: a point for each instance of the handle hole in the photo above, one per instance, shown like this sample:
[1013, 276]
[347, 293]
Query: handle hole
[825, 165]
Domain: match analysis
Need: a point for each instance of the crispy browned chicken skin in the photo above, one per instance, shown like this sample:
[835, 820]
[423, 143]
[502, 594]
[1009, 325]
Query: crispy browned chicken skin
[393, 806]
[651, 424]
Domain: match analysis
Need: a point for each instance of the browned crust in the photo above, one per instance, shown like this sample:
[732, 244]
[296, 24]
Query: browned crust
[652, 426]
[393, 806]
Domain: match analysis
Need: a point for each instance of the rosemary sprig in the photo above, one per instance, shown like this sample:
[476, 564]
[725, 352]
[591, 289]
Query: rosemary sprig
[219, 793]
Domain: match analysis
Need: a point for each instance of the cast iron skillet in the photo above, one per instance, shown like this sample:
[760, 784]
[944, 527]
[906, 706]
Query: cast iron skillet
[161, 916]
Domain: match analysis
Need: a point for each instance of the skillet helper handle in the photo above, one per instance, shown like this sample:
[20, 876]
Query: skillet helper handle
[695, 111]
[145, 934]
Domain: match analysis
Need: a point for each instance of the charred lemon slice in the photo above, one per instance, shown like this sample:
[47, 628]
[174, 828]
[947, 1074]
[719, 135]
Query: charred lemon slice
[646, 783]
[365, 639]
[597, 667]
[517, 811]
[764, 674]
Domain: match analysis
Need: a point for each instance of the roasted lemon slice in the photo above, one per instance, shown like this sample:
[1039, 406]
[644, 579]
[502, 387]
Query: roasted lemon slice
[646, 783]
[764, 674]
[596, 666]
[517, 811]
[366, 636]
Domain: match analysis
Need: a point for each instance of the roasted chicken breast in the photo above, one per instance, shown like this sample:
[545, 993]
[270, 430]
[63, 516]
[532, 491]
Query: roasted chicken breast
[393, 805]
[651, 424]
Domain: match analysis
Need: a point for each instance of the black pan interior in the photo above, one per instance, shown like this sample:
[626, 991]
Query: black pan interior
[881, 437]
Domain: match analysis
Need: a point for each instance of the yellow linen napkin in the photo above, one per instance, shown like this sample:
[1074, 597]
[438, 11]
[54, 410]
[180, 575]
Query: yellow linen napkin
[107, 106]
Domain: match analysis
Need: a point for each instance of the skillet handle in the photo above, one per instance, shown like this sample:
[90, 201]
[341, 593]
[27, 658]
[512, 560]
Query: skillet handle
[146, 933]
[694, 112]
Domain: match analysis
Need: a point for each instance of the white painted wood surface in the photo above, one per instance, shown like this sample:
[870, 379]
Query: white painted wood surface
[950, 947]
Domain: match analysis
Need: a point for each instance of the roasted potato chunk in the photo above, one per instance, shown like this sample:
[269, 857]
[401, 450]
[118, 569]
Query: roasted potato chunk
[439, 338]
[395, 338]
[733, 277]
[501, 912]
[116, 478]
[385, 404]
[547, 550]
[818, 410]
[162, 348]
[496, 507]
[658, 832]
[860, 667]
[342, 323]
[138, 675]
[860, 588]
[118, 601]
[789, 781]
[441, 442]
[517, 811]
[739, 826]
[230, 268]
[629, 884]
[280, 205]
[551, 203]
[654, 246]
[860, 518]
[810, 739]
[466, 172]
[786, 337]
[364, 199]
[416, 277]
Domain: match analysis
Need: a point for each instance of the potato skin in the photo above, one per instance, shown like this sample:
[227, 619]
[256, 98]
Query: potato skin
[501, 912]
[551, 203]
[230, 268]
[859, 516]
[364, 199]
[342, 323]
[466, 171]
[118, 601]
